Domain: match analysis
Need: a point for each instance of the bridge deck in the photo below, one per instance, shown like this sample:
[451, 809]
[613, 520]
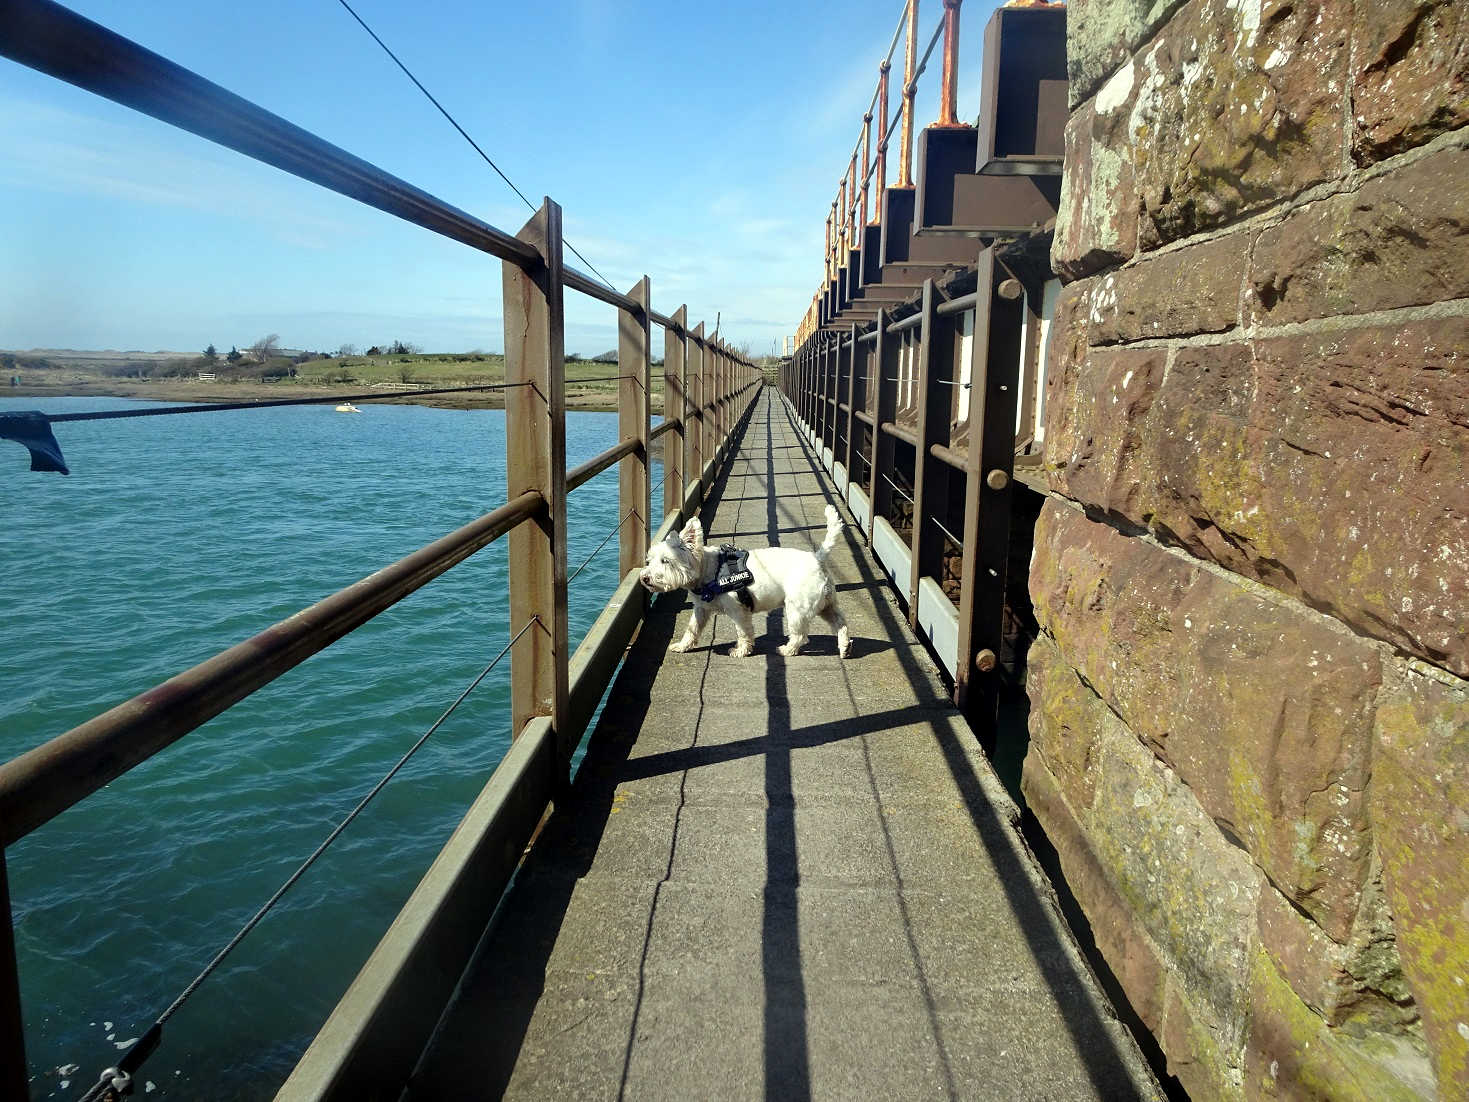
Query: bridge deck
[781, 877]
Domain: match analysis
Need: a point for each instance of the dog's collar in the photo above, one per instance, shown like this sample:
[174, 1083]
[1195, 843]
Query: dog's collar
[732, 575]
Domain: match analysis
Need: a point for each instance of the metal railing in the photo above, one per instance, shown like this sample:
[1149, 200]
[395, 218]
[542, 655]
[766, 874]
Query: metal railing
[915, 370]
[838, 381]
[843, 225]
[707, 390]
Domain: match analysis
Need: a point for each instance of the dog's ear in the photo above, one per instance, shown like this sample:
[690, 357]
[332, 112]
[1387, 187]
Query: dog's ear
[692, 534]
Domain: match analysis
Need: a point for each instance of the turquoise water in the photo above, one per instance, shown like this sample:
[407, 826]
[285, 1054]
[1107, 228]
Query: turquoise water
[174, 538]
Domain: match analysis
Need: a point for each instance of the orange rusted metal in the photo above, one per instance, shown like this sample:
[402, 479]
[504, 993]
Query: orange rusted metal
[842, 214]
[831, 245]
[882, 136]
[910, 63]
[949, 83]
[866, 163]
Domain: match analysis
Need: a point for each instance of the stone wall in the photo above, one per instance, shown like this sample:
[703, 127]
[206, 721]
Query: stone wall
[1250, 718]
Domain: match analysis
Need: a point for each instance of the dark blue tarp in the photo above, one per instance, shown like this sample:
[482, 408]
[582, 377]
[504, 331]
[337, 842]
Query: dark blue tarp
[33, 430]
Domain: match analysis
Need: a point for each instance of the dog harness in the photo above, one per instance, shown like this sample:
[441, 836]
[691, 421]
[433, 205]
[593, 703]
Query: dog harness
[733, 576]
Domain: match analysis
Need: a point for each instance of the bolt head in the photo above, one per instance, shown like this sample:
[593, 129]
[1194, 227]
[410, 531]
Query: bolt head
[985, 660]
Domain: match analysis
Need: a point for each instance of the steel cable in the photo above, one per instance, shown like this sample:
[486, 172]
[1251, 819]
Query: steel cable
[230, 407]
[608, 538]
[117, 1079]
[465, 135]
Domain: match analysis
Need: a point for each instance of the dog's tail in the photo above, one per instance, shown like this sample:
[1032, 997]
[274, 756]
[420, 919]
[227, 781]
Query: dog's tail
[833, 532]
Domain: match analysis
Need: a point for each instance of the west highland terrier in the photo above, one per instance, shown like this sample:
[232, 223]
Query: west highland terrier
[779, 576]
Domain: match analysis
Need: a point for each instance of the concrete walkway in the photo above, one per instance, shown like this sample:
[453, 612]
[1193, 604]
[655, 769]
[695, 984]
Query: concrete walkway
[781, 878]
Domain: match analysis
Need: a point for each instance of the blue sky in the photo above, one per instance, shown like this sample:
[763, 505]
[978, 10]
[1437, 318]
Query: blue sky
[700, 144]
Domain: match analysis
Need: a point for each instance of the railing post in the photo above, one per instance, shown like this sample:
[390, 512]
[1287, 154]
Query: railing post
[711, 433]
[910, 63]
[675, 405]
[696, 429]
[989, 469]
[813, 381]
[838, 389]
[12, 1032]
[852, 421]
[721, 397]
[634, 487]
[803, 385]
[833, 388]
[822, 386]
[885, 352]
[535, 460]
[935, 366]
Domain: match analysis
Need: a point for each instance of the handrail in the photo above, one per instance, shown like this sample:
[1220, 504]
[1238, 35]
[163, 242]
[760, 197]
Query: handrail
[597, 464]
[54, 40]
[900, 432]
[45, 781]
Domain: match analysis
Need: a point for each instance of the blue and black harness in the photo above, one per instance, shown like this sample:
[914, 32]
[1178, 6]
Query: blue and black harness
[733, 576]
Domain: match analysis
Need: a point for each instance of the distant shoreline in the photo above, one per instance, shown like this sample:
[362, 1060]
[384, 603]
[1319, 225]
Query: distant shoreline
[188, 390]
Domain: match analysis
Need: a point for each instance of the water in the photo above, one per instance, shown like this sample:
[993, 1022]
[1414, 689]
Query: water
[174, 538]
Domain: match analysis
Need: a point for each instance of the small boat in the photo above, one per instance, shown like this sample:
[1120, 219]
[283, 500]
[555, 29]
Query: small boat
[348, 407]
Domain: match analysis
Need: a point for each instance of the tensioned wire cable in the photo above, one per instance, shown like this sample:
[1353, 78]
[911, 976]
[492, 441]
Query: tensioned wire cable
[232, 407]
[466, 136]
[608, 539]
[116, 1080]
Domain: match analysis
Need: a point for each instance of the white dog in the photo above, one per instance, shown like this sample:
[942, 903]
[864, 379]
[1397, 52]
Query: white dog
[781, 576]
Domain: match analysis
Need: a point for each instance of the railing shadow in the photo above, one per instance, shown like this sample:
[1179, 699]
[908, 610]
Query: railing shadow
[483, 1030]
[1087, 1026]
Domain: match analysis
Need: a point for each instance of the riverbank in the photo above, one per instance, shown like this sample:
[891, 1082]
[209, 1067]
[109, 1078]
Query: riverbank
[589, 397]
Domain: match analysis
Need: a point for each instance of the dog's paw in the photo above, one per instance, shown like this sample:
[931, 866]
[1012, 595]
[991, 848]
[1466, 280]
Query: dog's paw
[790, 650]
[680, 647]
[743, 650]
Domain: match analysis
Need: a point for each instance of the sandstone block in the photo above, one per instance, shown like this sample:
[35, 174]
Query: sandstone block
[1179, 294]
[1264, 712]
[1129, 953]
[1095, 425]
[1328, 465]
[1293, 1054]
[1164, 863]
[1399, 240]
[1420, 808]
[1236, 107]
[1208, 1073]
[1361, 983]
[1063, 723]
[1102, 34]
[1191, 890]
[1096, 219]
[1410, 78]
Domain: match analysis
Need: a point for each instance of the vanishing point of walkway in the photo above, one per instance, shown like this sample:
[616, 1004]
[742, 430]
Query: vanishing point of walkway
[781, 878]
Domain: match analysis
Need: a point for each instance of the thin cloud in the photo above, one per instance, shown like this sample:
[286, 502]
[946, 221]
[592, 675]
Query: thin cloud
[103, 159]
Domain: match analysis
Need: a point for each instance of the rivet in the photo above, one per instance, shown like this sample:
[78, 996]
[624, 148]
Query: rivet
[997, 479]
[984, 661]
[1011, 288]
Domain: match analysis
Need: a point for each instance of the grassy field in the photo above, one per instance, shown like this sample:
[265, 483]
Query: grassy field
[589, 385]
